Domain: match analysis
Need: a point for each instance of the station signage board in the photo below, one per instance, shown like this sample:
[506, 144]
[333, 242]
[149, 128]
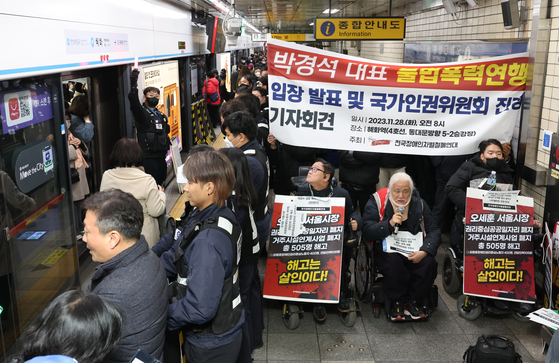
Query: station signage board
[258, 37]
[290, 37]
[390, 28]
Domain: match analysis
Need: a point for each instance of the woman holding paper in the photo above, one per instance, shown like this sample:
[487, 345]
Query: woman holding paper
[406, 235]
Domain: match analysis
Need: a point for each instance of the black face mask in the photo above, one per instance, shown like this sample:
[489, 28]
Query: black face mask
[495, 163]
[152, 101]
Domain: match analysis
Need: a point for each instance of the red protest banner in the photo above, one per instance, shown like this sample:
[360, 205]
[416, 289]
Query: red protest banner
[305, 251]
[498, 247]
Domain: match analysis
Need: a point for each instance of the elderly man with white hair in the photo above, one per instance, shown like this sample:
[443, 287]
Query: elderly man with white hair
[406, 235]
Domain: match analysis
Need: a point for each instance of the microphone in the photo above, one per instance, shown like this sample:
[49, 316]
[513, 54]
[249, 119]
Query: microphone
[397, 226]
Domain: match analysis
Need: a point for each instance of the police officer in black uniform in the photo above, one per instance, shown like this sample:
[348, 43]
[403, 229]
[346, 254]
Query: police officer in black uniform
[152, 128]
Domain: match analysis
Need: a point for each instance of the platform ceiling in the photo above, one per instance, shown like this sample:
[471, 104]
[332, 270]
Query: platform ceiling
[295, 16]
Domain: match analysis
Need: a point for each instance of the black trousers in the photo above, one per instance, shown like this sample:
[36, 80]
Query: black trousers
[404, 280]
[157, 168]
[225, 354]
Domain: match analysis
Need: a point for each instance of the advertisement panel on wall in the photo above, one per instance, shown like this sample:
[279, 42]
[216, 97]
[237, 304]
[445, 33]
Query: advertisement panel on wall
[25, 107]
[305, 251]
[165, 77]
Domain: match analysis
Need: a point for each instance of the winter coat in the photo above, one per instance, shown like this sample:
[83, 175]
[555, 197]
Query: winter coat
[143, 187]
[136, 281]
[359, 169]
[211, 86]
[375, 231]
[81, 188]
[472, 169]
[287, 159]
[209, 261]
[82, 130]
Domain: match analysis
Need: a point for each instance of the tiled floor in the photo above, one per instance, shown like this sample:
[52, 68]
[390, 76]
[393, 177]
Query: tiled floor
[444, 338]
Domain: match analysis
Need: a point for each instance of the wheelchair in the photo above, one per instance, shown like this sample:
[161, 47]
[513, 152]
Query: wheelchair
[293, 312]
[368, 285]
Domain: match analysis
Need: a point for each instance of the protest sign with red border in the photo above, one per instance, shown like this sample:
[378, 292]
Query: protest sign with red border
[498, 249]
[305, 251]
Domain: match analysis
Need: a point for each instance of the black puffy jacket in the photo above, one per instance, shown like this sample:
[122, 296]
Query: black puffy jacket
[472, 169]
[359, 168]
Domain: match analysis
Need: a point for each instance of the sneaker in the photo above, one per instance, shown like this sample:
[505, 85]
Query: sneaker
[343, 305]
[397, 313]
[414, 311]
[319, 312]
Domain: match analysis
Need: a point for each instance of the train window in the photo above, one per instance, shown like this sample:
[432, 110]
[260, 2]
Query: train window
[38, 256]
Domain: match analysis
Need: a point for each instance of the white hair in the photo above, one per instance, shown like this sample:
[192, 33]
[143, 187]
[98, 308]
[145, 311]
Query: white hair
[401, 176]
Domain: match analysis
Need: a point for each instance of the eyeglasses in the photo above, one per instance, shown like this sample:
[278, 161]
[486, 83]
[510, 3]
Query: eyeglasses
[314, 169]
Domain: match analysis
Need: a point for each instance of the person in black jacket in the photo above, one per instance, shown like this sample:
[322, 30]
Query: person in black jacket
[319, 184]
[152, 127]
[287, 159]
[129, 274]
[490, 158]
[407, 278]
[359, 172]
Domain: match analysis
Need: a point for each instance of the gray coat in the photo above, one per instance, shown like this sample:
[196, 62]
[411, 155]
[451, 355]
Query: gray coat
[135, 280]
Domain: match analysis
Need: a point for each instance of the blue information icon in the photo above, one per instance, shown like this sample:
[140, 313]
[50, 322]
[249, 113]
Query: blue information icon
[327, 28]
[92, 42]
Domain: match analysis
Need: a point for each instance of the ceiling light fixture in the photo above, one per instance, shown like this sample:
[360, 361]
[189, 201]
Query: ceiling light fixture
[311, 24]
[334, 11]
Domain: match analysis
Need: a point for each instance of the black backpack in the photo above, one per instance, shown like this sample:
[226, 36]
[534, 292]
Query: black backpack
[492, 349]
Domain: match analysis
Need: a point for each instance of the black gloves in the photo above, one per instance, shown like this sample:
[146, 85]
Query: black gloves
[134, 78]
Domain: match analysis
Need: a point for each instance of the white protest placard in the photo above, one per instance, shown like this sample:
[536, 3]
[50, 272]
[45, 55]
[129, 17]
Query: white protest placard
[403, 243]
[500, 201]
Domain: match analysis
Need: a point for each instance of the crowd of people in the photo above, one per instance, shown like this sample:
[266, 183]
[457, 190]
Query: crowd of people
[211, 259]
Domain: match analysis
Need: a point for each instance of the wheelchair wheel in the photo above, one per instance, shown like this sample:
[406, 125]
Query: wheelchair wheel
[350, 318]
[363, 272]
[468, 311]
[518, 316]
[291, 316]
[376, 311]
[451, 280]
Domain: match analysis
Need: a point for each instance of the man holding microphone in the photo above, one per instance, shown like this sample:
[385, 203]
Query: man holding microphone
[408, 274]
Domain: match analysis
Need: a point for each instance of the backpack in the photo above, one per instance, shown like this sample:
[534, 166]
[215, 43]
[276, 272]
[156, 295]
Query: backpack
[492, 349]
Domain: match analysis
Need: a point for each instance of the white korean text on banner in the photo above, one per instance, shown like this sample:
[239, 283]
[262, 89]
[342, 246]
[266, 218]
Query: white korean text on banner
[322, 98]
[305, 251]
[498, 249]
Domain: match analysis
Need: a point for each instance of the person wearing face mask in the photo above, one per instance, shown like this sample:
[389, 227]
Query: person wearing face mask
[240, 131]
[407, 279]
[490, 158]
[152, 127]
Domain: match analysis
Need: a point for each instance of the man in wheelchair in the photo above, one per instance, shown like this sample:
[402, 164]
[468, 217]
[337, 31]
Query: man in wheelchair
[319, 184]
[392, 215]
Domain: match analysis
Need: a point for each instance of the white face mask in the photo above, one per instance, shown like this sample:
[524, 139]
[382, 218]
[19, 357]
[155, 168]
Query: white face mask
[257, 74]
[229, 144]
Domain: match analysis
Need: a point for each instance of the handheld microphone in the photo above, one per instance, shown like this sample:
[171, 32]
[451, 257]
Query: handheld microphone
[397, 226]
